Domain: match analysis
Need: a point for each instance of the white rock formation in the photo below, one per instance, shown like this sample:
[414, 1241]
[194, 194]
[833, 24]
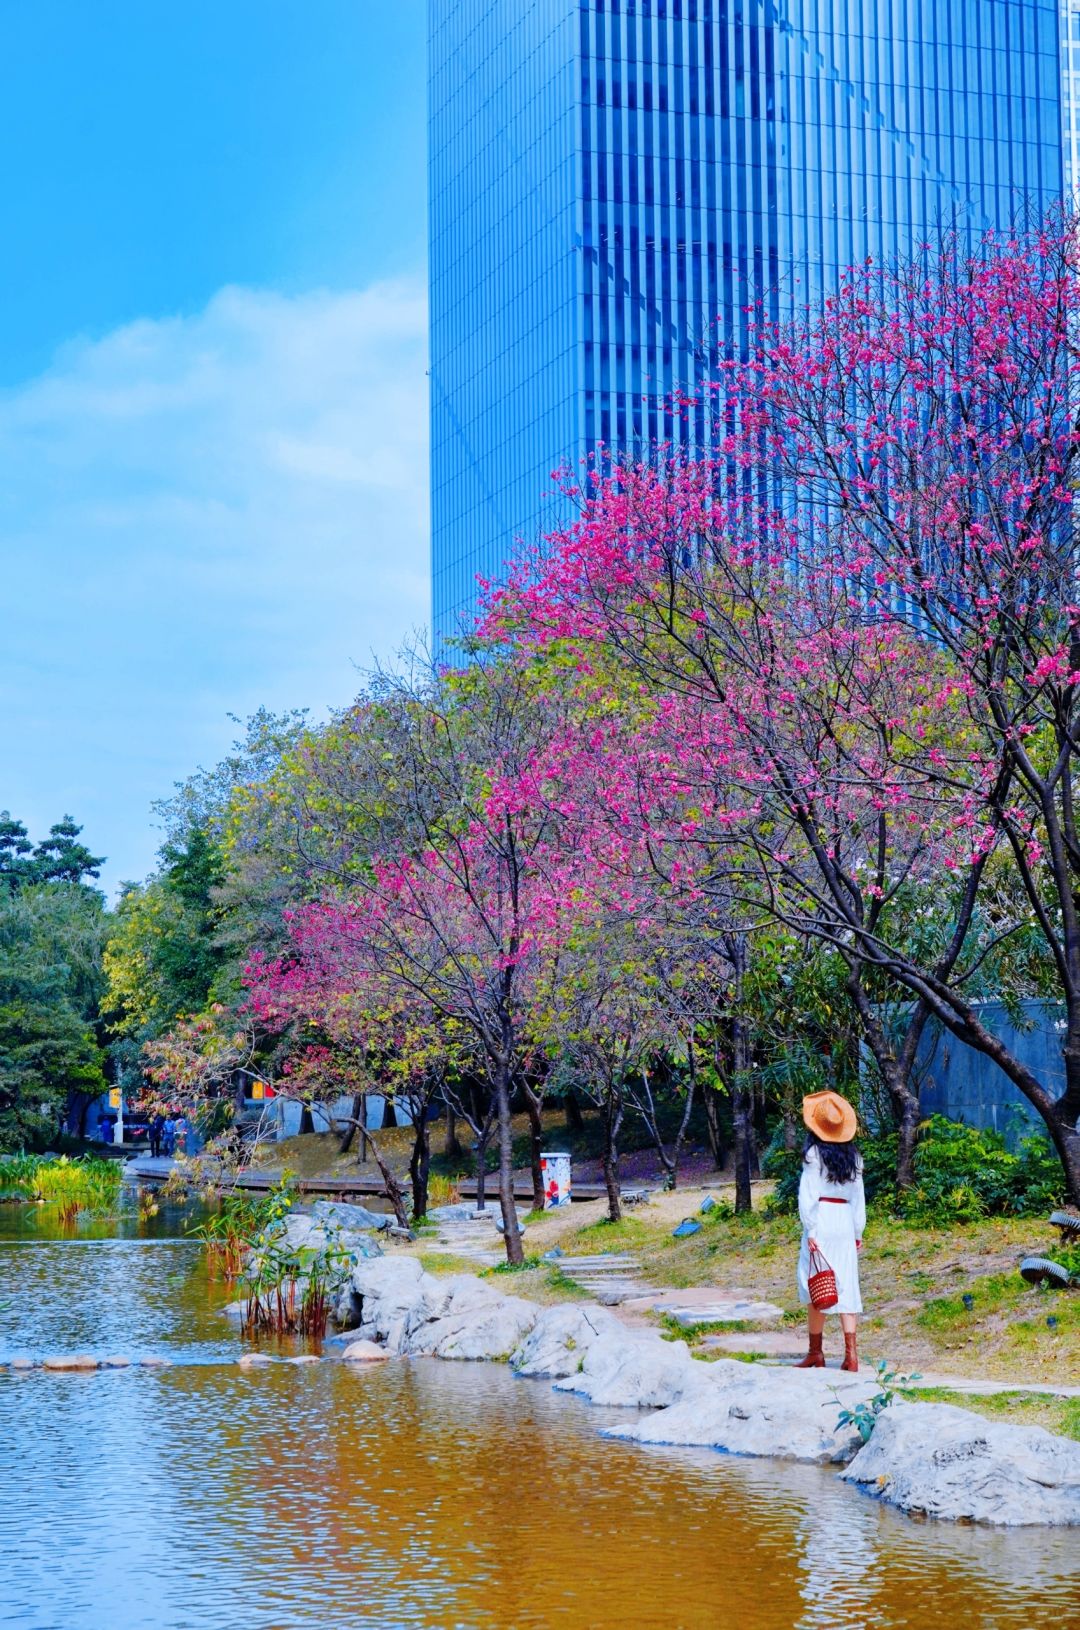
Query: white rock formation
[365, 1352]
[635, 1370]
[463, 1317]
[750, 1409]
[558, 1341]
[940, 1461]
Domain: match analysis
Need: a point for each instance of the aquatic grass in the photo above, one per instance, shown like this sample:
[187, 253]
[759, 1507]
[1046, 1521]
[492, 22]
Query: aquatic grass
[230, 1234]
[85, 1183]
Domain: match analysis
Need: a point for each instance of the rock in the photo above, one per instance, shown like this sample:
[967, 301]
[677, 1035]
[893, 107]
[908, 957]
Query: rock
[251, 1361]
[462, 1211]
[303, 1358]
[234, 1312]
[553, 1255]
[750, 1409]
[556, 1345]
[387, 1291]
[462, 1317]
[364, 1352]
[70, 1361]
[152, 1362]
[688, 1226]
[940, 1461]
[350, 1217]
[634, 1370]
[23, 1363]
[116, 1362]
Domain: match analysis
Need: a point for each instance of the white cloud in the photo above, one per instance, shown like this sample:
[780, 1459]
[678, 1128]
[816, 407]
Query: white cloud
[198, 515]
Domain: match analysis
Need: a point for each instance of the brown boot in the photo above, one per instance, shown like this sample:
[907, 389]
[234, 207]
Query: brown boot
[851, 1352]
[815, 1358]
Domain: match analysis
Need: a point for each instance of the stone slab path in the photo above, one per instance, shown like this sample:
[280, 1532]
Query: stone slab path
[610, 1277]
[474, 1236]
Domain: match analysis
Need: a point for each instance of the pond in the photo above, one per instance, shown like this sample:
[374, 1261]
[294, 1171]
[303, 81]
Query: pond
[419, 1493]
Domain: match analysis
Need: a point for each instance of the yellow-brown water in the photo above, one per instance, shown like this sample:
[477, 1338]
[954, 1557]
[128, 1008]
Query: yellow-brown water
[423, 1493]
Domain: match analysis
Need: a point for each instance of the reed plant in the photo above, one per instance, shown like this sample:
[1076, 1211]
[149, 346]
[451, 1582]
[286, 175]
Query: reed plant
[442, 1191]
[85, 1183]
[289, 1292]
[241, 1221]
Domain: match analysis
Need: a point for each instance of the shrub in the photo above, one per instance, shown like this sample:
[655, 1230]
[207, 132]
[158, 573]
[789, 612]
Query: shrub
[962, 1174]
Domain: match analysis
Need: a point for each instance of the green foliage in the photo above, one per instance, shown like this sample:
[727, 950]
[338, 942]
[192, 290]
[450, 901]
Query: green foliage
[864, 1416]
[83, 1184]
[162, 959]
[59, 858]
[240, 1221]
[962, 1174]
[51, 938]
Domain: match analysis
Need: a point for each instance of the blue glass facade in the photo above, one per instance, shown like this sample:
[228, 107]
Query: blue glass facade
[613, 182]
[1070, 93]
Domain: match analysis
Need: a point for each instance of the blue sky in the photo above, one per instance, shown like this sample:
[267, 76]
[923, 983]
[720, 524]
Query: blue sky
[213, 434]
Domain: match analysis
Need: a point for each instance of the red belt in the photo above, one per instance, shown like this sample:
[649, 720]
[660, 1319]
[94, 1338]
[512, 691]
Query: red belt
[832, 1200]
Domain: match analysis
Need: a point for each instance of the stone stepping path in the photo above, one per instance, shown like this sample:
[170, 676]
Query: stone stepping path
[611, 1278]
[723, 1311]
[474, 1236]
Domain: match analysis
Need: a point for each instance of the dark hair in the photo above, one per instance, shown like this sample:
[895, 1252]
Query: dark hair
[841, 1161]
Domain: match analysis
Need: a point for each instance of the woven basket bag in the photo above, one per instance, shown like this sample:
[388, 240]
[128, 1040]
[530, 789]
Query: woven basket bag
[821, 1282]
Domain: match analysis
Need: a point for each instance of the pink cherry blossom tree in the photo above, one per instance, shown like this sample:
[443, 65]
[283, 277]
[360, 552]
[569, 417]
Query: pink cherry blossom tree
[858, 630]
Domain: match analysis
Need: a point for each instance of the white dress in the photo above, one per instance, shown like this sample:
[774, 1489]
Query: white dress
[834, 1227]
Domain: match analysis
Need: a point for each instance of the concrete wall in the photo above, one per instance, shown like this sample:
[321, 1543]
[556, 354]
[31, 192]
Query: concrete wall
[285, 1115]
[966, 1086]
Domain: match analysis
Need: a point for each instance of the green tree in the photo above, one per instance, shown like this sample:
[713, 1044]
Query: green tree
[51, 940]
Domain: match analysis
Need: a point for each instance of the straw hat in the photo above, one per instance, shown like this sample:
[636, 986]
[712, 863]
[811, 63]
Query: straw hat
[829, 1117]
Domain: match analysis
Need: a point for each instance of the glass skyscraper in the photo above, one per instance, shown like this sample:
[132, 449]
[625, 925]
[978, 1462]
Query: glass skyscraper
[1070, 92]
[614, 182]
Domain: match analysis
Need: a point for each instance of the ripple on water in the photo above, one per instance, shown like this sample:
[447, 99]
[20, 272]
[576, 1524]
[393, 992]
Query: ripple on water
[433, 1495]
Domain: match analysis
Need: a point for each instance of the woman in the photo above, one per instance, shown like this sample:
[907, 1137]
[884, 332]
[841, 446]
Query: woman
[832, 1209]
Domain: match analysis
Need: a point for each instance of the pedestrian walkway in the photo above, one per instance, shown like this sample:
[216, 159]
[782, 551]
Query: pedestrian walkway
[610, 1277]
[474, 1235]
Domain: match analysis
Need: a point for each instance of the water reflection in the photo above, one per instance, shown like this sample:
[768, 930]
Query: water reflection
[426, 1494]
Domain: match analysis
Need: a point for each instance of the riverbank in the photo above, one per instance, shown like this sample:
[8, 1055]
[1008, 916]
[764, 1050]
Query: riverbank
[914, 1281]
[928, 1459]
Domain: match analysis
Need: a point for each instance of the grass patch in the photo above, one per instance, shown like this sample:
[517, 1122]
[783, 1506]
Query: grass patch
[675, 1330]
[990, 1294]
[1061, 1415]
[438, 1262]
[713, 1354]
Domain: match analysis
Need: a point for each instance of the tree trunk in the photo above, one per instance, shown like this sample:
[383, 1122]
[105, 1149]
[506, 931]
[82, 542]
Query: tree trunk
[452, 1147]
[515, 1254]
[575, 1120]
[613, 1114]
[352, 1123]
[742, 1117]
[680, 1137]
[481, 1165]
[419, 1167]
[791, 1131]
[712, 1128]
[391, 1187]
[895, 1072]
[533, 1104]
